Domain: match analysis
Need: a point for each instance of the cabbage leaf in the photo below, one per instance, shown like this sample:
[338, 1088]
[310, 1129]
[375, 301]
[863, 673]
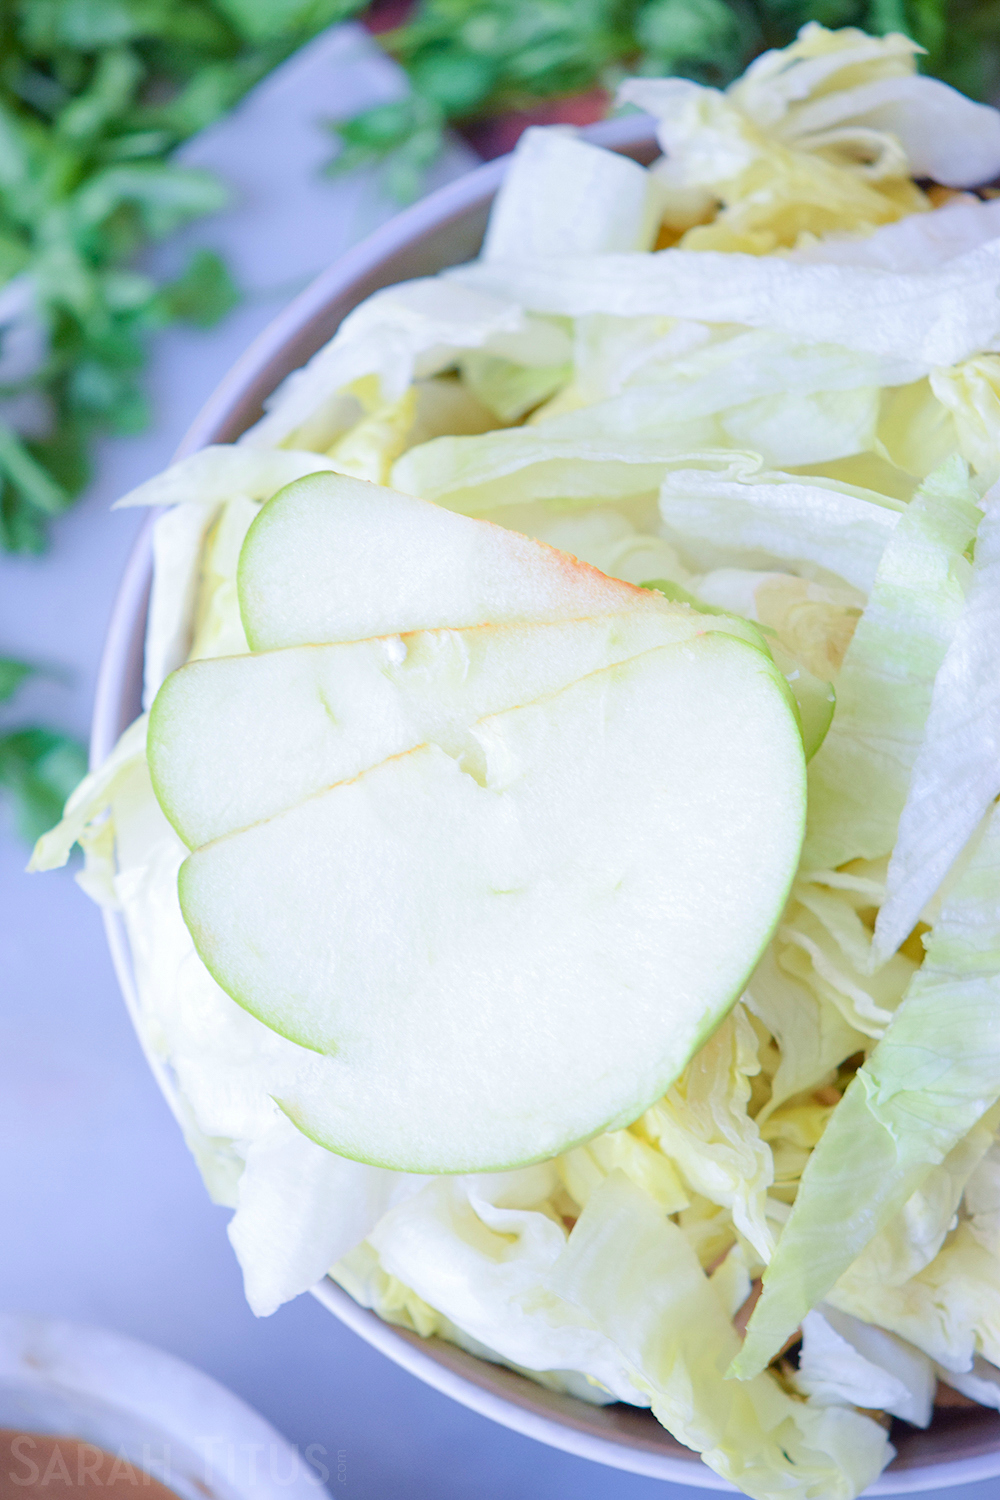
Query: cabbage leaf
[858, 781]
[633, 1272]
[928, 1082]
[956, 773]
[917, 319]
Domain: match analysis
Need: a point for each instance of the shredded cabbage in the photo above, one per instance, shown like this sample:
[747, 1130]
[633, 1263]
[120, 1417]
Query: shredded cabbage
[762, 375]
[859, 780]
[929, 1081]
[634, 1273]
[956, 774]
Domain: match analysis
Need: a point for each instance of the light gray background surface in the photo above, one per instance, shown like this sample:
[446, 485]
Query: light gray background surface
[103, 1218]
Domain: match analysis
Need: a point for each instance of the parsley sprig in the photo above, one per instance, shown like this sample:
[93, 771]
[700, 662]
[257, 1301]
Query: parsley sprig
[38, 767]
[94, 97]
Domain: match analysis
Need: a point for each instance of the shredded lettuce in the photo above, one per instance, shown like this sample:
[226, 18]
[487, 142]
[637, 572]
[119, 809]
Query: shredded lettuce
[846, 1362]
[981, 1383]
[731, 509]
[400, 334]
[917, 243]
[928, 1082]
[633, 1272]
[562, 196]
[916, 319]
[950, 1309]
[858, 781]
[823, 941]
[703, 1126]
[761, 151]
[956, 773]
[831, 90]
[480, 1250]
[811, 1033]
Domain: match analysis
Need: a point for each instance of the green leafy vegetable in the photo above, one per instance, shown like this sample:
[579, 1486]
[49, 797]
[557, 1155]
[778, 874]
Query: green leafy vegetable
[38, 767]
[94, 96]
[12, 674]
[931, 1078]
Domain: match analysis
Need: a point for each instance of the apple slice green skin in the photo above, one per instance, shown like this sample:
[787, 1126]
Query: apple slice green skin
[814, 698]
[331, 559]
[500, 954]
[238, 739]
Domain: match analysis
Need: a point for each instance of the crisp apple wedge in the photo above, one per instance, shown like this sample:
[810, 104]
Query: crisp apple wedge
[337, 559]
[505, 949]
[237, 739]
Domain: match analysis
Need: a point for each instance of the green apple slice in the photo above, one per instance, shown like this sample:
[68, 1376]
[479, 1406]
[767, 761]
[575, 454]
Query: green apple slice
[504, 950]
[337, 559]
[237, 739]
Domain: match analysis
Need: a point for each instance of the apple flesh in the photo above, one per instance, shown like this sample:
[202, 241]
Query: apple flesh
[504, 946]
[237, 739]
[331, 558]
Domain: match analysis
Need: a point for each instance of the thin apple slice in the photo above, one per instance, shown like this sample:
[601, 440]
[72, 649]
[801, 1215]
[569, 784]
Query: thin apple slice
[502, 952]
[237, 739]
[337, 559]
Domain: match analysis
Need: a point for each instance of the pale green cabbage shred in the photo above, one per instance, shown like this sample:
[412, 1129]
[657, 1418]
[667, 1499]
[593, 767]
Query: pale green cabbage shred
[764, 372]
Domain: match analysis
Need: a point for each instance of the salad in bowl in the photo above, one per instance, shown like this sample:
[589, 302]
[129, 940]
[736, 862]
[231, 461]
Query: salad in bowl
[559, 854]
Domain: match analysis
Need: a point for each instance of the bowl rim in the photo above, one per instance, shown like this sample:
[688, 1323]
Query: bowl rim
[440, 1365]
[101, 1371]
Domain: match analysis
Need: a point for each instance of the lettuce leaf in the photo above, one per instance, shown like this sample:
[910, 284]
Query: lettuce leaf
[918, 320]
[623, 446]
[914, 1235]
[91, 799]
[950, 1309]
[632, 1271]
[981, 1383]
[917, 243]
[956, 773]
[479, 1250]
[219, 472]
[732, 510]
[811, 1033]
[970, 392]
[703, 1127]
[583, 1169]
[929, 1080]
[400, 334]
[824, 134]
[564, 196]
[771, 191]
[858, 782]
[844, 1361]
[510, 468]
[982, 1199]
[823, 941]
[833, 90]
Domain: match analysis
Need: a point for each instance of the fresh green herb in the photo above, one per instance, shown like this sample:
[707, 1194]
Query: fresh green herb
[468, 60]
[94, 97]
[38, 767]
[12, 674]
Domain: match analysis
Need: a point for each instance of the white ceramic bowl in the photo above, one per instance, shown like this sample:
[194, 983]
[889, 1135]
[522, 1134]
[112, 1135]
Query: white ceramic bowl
[164, 1416]
[445, 229]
